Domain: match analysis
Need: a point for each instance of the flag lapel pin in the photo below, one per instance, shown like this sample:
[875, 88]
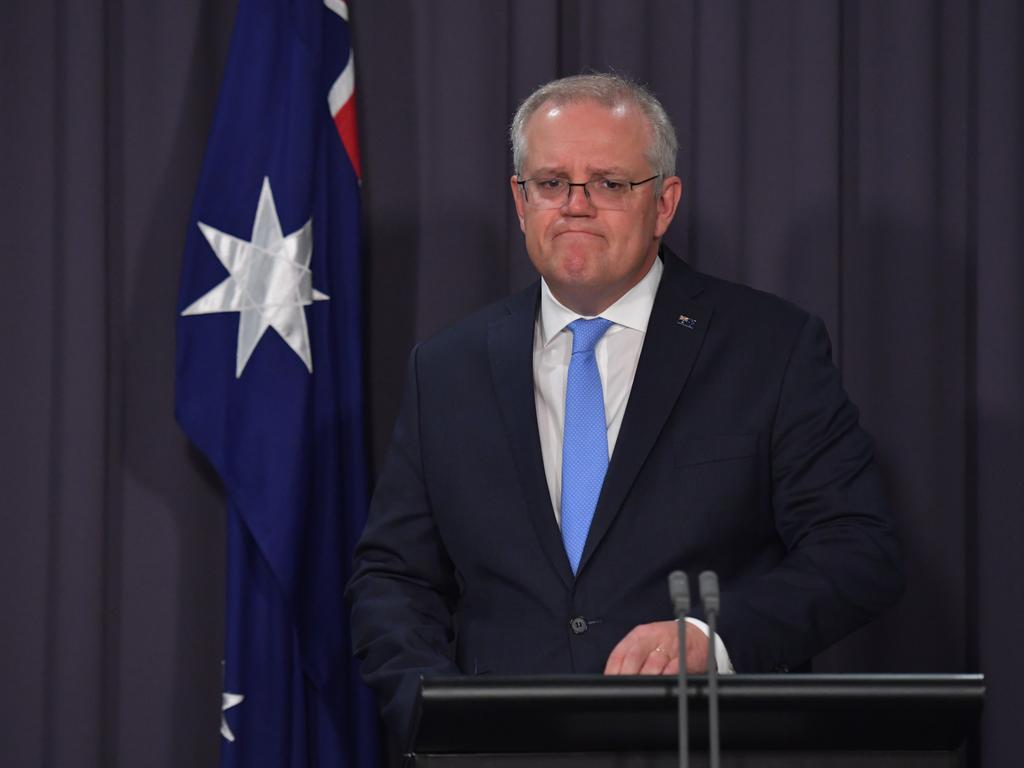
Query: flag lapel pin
[687, 322]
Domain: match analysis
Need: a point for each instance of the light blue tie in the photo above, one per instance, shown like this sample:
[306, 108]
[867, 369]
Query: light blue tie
[585, 438]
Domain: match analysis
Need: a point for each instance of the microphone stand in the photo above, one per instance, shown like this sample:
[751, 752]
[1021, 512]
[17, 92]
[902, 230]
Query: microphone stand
[679, 591]
[711, 599]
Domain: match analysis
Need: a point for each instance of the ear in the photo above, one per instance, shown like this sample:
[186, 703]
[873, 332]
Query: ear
[667, 202]
[517, 196]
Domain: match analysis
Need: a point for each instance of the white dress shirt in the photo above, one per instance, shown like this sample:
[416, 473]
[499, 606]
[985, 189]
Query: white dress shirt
[617, 353]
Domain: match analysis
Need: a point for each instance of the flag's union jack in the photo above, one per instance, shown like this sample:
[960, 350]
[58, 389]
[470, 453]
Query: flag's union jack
[342, 98]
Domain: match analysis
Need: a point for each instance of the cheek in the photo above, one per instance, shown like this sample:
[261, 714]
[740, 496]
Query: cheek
[538, 248]
[537, 231]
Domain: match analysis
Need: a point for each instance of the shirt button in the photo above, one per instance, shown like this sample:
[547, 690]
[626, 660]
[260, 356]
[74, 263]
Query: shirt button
[578, 625]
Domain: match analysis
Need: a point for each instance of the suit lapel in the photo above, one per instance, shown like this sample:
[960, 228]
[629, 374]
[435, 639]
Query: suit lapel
[510, 346]
[675, 333]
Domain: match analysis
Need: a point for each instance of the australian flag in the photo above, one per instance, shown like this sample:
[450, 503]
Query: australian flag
[269, 372]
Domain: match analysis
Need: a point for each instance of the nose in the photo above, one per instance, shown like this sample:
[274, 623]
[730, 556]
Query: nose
[578, 203]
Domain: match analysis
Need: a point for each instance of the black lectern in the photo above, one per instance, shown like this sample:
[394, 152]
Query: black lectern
[766, 721]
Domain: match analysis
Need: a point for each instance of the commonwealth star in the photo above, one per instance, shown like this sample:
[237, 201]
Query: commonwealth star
[270, 282]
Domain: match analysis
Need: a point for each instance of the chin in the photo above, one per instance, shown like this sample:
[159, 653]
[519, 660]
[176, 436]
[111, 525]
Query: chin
[577, 261]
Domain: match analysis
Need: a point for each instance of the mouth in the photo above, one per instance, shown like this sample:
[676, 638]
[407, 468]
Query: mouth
[582, 232]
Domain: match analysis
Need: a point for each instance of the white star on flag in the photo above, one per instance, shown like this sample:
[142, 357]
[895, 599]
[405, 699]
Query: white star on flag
[270, 282]
[227, 701]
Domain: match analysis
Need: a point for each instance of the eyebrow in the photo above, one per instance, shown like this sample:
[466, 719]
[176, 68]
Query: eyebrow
[557, 170]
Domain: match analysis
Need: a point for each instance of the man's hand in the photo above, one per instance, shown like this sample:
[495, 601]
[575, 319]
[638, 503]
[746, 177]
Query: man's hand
[653, 649]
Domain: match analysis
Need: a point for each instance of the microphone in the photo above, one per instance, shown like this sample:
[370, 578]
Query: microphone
[712, 602]
[679, 592]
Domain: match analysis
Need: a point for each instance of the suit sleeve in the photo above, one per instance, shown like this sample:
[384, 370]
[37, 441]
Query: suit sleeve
[403, 590]
[842, 565]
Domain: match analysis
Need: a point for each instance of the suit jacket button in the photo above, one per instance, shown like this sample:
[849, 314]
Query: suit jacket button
[578, 625]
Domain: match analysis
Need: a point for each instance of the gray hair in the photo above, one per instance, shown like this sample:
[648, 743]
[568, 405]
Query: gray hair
[610, 90]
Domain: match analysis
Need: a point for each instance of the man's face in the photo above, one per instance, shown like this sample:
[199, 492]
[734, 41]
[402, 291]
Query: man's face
[590, 257]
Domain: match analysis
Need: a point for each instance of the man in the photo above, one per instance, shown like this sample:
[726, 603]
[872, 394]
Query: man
[559, 453]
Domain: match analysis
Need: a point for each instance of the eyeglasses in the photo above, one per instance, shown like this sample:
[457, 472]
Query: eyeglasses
[607, 194]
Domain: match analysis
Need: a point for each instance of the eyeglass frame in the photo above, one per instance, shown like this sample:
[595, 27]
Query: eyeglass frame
[568, 196]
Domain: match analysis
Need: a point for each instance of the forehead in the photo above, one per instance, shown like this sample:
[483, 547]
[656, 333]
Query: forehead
[587, 135]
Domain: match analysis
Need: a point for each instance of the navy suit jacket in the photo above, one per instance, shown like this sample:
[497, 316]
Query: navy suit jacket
[738, 452]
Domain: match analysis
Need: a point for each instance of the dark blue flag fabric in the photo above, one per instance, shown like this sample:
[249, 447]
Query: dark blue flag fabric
[269, 376]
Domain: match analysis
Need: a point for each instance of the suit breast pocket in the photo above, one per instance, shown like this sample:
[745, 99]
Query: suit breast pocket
[719, 478]
[708, 449]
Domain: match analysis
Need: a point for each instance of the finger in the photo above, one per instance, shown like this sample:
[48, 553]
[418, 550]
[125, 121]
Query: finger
[672, 668]
[618, 661]
[635, 658]
[655, 662]
[614, 664]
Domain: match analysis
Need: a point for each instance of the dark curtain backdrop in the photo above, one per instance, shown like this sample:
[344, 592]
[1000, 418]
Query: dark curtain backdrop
[863, 159]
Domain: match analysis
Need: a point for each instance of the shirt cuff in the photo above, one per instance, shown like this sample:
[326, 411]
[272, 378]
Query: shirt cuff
[721, 654]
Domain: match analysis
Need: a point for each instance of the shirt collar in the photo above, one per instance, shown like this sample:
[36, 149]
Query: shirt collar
[632, 310]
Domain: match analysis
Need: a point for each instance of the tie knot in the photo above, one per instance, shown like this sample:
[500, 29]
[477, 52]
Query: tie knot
[586, 333]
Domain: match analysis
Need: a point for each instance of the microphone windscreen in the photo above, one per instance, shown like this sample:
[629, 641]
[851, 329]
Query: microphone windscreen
[679, 591]
[708, 581]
